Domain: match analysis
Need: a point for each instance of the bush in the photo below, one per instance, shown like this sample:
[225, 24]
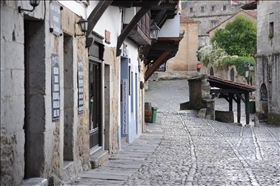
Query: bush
[211, 54]
[241, 63]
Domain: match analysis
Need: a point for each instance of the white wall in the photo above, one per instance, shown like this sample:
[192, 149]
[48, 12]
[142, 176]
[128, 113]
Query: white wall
[171, 27]
[109, 21]
[76, 7]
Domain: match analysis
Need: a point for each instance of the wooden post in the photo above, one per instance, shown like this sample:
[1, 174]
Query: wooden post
[247, 107]
[238, 109]
[230, 102]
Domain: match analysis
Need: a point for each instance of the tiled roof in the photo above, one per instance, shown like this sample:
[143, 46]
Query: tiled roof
[184, 19]
[251, 5]
[252, 13]
[223, 83]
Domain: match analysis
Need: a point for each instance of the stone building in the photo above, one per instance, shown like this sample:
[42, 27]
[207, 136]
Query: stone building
[209, 14]
[267, 68]
[70, 97]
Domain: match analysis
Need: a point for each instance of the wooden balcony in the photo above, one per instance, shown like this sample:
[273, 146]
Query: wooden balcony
[140, 34]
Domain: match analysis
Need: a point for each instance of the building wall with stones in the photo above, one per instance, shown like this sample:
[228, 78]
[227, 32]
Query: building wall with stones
[32, 143]
[267, 61]
[209, 14]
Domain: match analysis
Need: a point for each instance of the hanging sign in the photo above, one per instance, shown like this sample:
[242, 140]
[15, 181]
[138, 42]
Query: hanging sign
[55, 88]
[124, 105]
[80, 87]
[55, 18]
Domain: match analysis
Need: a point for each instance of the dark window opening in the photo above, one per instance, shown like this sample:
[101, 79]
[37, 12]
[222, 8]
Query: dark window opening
[191, 10]
[213, 8]
[224, 7]
[271, 30]
[202, 9]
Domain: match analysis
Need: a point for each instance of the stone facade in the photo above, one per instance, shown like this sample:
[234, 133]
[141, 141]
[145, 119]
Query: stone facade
[267, 61]
[32, 143]
[209, 14]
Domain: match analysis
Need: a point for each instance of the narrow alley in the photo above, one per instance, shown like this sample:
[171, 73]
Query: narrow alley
[181, 149]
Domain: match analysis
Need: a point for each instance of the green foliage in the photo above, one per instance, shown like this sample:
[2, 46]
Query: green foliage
[241, 63]
[211, 54]
[239, 37]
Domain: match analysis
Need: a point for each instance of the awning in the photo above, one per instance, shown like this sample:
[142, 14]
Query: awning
[232, 91]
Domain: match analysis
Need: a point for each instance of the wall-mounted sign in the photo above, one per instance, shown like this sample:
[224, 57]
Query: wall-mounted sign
[55, 88]
[55, 18]
[80, 87]
[124, 105]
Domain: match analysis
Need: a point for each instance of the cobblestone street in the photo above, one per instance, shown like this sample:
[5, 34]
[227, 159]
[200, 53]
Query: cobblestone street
[181, 149]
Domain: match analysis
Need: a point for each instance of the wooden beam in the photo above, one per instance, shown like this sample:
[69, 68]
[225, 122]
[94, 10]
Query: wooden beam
[130, 26]
[96, 14]
[160, 16]
[227, 91]
[156, 64]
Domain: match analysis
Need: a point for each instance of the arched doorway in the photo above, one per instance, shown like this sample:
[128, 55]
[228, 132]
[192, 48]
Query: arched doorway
[232, 74]
[263, 102]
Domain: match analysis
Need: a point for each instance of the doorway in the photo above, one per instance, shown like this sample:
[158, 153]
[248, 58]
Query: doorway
[34, 85]
[95, 123]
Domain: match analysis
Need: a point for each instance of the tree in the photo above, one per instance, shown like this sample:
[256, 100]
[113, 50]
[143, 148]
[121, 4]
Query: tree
[239, 37]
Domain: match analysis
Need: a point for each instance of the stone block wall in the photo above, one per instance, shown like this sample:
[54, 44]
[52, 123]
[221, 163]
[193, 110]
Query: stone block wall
[267, 61]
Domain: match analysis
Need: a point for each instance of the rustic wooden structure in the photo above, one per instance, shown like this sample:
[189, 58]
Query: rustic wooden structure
[232, 91]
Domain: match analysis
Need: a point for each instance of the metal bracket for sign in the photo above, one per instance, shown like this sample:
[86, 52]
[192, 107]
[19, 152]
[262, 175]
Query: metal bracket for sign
[124, 105]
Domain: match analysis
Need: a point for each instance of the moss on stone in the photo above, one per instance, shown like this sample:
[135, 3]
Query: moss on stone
[274, 118]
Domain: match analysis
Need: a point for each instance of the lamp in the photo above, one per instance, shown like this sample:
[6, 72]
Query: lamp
[33, 3]
[251, 67]
[83, 24]
[154, 31]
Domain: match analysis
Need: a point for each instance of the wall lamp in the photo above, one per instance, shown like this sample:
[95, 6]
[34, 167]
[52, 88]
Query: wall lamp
[154, 29]
[33, 3]
[83, 24]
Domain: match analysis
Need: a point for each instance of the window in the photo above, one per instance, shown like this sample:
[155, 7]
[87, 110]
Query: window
[202, 9]
[271, 30]
[213, 8]
[191, 10]
[224, 7]
[214, 23]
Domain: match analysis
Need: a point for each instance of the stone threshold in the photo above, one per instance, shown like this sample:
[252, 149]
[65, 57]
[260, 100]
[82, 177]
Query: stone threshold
[35, 182]
[98, 158]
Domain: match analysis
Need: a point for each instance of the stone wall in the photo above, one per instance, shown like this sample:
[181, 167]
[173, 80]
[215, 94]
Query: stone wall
[29, 87]
[111, 59]
[267, 61]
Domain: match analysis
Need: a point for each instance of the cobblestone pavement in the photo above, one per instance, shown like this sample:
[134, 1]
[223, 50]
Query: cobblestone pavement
[182, 149]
